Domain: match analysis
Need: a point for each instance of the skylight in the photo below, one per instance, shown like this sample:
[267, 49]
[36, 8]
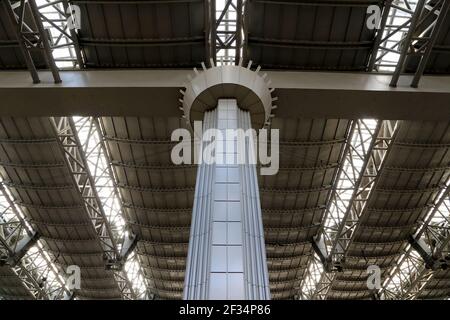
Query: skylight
[37, 262]
[55, 21]
[226, 17]
[90, 138]
[397, 26]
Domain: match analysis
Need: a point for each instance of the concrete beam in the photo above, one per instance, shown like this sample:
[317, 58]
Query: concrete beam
[156, 93]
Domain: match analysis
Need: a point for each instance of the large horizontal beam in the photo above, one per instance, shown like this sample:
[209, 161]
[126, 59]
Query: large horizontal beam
[156, 93]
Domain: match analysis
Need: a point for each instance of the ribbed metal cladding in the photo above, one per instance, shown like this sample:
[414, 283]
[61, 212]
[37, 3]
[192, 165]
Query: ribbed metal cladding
[197, 265]
[256, 270]
[226, 258]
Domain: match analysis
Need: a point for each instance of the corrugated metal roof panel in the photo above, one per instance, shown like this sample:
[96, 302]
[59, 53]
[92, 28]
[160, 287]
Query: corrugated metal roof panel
[143, 34]
[325, 35]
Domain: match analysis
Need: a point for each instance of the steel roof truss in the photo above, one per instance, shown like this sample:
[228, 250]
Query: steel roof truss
[429, 251]
[227, 33]
[31, 36]
[367, 148]
[27, 259]
[425, 25]
[75, 157]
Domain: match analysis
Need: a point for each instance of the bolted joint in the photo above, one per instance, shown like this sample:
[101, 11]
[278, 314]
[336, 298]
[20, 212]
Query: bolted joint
[319, 247]
[424, 251]
[128, 246]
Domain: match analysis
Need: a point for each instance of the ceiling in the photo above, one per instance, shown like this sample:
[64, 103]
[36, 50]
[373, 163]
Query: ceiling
[44, 166]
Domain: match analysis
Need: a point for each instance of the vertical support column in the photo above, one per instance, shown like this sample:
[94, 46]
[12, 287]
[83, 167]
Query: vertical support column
[256, 270]
[198, 259]
[227, 258]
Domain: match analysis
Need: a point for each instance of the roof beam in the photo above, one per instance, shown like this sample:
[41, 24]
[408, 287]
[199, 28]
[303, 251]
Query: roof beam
[300, 94]
[352, 3]
[31, 35]
[185, 41]
[379, 35]
[128, 246]
[439, 13]
[307, 44]
[110, 2]
[73, 34]
[406, 42]
[131, 240]
[423, 249]
[13, 19]
[424, 27]
[59, 18]
[77, 163]
[14, 234]
[407, 30]
[227, 31]
[367, 148]
[426, 254]
[25, 256]
[320, 248]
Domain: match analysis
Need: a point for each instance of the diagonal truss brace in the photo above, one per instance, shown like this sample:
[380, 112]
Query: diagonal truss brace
[227, 32]
[424, 25]
[21, 251]
[77, 163]
[15, 237]
[397, 19]
[25, 17]
[131, 240]
[366, 151]
[429, 251]
[60, 18]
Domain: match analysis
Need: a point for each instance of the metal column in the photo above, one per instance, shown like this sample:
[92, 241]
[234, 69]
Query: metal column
[226, 258]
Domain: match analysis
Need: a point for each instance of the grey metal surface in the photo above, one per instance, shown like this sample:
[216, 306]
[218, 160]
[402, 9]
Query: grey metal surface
[409, 181]
[157, 196]
[11, 56]
[207, 262]
[438, 287]
[11, 286]
[319, 35]
[439, 59]
[294, 200]
[419, 41]
[156, 93]
[34, 169]
[143, 148]
[226, 257]
[251, 90]
[140, 34]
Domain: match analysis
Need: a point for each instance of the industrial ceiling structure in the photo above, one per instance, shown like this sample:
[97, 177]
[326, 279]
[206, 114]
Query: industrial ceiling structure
[89, 98]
